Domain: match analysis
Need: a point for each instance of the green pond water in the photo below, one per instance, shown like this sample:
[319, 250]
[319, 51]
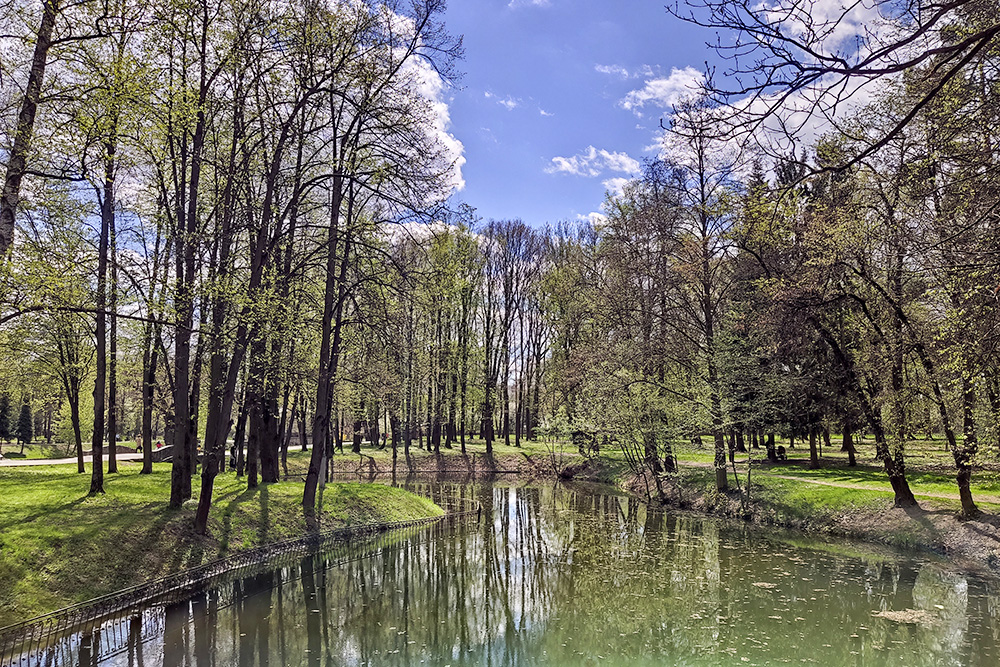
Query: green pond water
[558, 575]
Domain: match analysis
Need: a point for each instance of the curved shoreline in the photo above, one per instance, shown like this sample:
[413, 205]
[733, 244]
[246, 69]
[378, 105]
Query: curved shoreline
[241, 515]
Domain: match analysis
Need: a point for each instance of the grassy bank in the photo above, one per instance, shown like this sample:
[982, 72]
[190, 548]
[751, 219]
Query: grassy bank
[59, 546]
[836, 499]
[854, 502]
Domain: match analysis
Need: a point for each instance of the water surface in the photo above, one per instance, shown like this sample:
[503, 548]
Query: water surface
[561, 575]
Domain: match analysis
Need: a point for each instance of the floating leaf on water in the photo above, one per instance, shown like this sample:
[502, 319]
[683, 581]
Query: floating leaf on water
[764, 584]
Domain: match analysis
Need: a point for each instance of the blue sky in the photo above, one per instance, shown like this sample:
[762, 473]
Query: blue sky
[561, 97]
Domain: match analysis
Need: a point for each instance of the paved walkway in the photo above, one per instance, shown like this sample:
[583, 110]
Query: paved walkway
[14, 463]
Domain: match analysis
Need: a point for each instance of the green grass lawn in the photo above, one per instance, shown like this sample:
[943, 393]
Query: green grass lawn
[39, 450]
[59, 546]
[790, 493]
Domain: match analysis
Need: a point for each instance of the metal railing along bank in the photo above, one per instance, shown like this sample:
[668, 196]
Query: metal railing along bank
[35, 641]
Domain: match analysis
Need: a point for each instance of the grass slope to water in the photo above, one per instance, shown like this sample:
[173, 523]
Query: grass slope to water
[59, 546]
[856, 502]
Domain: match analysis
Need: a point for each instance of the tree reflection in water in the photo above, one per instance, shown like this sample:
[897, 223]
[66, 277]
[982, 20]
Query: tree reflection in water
[567, 575]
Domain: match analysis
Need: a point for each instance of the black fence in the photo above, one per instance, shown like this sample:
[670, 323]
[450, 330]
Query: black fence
[102, 627]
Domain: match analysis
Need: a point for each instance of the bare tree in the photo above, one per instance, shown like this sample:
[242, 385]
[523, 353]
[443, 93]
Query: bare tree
[794, 64]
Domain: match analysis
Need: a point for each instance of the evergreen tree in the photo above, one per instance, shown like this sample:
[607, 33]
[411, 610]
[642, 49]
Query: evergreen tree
[5, 418]
[25, 428]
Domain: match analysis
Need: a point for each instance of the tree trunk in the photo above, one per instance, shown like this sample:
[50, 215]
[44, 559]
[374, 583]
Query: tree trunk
[964, 454]
[113, 342]
[302, 424]
[848, 446]
[239, 439]
[394, 421]
[97, 441]
[813, 455]
[150, 357]
[254, 427]
[331, 334]
[18, 157]
[893, 462]
[73, 396]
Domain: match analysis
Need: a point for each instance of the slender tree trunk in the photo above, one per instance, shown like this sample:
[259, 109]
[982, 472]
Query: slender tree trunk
[964, 454]
[18, 159]
[186, 240]
[813, 455]
[302, 424]
[331, 336]
[150, 353]
[73, 397]
[100, 382]
[848, 445]
[148, 392]
[194, 401]
[112, 344]
[239, 439]
[893, 462]
[254, 427]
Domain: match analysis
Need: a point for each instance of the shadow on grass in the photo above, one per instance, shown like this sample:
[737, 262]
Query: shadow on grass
[264, 521]
[990, 520]
[227, 516]
[920, 515]
[44, 514]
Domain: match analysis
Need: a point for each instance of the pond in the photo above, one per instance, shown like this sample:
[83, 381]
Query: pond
[556, 574]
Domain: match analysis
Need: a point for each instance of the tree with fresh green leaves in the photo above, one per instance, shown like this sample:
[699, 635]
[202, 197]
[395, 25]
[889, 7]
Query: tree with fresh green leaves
[24, 431]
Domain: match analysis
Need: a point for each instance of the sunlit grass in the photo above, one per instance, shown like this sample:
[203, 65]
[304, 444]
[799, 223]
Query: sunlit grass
[58, 545]
[39, 450]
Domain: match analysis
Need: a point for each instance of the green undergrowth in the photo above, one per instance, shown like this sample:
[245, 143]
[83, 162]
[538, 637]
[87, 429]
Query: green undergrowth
[59, 546]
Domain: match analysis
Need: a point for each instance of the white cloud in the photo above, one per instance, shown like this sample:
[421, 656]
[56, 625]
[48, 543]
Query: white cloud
[593, 162]
[816, 18]
[515, 4]
[665, 92]
[431, 87]
[803, 117]
[613, 70]
[509, 102]
[545, 113]
[594, 218]
[616, 186]
[623, 72]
